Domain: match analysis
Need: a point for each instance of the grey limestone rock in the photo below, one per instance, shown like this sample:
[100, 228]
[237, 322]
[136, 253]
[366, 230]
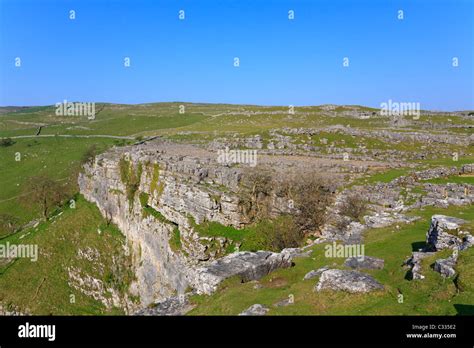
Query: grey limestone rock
[446, 266]
[256, 309]
[350, 281]
[247, 265]
[414, 262]
[315, 273]
[184, 185]
[442, 232]
[176, 305]
[365, 262]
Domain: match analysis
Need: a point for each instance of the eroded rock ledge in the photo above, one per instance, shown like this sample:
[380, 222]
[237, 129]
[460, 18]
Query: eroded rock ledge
[247, 265]
[156, 193]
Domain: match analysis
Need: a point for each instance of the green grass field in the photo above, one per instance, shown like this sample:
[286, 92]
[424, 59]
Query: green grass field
[57, 158]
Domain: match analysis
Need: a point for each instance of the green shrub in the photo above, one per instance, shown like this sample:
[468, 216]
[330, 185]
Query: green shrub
[278, 234]
[312, 196]
[155, 185]
[130, 178]
[5, 142]
[155, 213]
[90, 154]
[144, 199]
[175, 240]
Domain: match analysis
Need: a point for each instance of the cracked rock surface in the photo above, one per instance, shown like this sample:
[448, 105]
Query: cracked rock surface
[256, 309]
[350, 281]
[366, 262]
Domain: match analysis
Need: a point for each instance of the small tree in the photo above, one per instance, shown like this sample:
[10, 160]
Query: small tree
[44, 192]
[89, 155]
[255, 197]
[353, 206]
[6, 142]
[312, 196]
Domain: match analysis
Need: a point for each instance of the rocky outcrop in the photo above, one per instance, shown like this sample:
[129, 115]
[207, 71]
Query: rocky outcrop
[385, 219]
[175, 305]
[349, 234]
[350, 281]
[94, 288]
[170, 184]
[256, 309]
[11, 310]
[156, 193]
[446, 195]
[443, 232]
[384, 209]
[248, 266]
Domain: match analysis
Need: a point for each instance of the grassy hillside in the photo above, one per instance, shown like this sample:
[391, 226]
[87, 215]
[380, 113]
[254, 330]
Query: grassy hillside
[433, 295]
[57, 158]
[43, 287]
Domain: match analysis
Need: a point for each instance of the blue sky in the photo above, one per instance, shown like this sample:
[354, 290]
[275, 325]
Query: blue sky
[282, 62]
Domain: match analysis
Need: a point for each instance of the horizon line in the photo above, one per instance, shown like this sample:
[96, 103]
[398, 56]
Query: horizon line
[233, 104]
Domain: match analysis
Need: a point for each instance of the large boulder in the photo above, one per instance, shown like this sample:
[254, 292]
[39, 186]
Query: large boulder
[247, 265]
[350, 281]
[365, 262]
[443, 232]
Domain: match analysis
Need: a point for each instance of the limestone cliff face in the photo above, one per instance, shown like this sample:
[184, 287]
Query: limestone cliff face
[155, 193]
